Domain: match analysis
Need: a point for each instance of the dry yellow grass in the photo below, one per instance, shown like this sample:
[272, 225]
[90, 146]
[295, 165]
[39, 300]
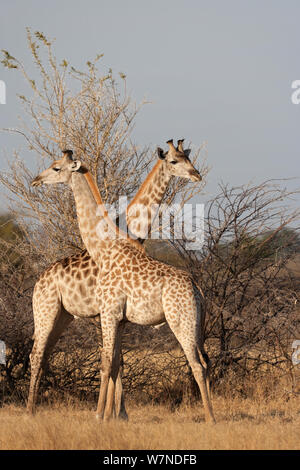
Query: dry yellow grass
[240, 425]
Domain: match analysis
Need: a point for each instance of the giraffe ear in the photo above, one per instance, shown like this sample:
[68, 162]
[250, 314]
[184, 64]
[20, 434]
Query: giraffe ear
[160, 153]
[187, 152]
[76, 164]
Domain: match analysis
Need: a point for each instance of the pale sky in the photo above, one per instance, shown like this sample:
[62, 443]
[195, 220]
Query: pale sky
[215, 71]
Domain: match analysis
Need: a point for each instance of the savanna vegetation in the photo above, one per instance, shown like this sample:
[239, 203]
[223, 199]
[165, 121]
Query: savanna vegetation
[248, 269]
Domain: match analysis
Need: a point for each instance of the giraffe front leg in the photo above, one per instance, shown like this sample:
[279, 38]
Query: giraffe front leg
[111, 317]
[105, 376]
[119, 403]
[120, 408]
[115, 401]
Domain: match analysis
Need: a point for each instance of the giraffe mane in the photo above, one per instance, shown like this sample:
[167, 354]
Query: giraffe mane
[97, 196]
[145, 183]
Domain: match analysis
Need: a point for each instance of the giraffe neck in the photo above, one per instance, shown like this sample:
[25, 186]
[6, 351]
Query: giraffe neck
[143, 208]
[96, 228]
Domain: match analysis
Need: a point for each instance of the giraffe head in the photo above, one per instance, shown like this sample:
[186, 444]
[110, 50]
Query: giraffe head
[60, 171]
[177, 161]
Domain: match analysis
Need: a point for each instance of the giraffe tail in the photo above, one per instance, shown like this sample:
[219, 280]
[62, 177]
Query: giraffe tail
[203, 356]
[204, 359]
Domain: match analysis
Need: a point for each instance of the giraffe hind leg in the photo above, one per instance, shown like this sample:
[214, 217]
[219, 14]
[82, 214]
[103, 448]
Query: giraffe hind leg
[186, 333]
[199, 368]
[208, 374]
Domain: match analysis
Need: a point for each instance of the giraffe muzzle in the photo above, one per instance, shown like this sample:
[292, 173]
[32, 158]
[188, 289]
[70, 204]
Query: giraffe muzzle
[195, 176]
[37, 181]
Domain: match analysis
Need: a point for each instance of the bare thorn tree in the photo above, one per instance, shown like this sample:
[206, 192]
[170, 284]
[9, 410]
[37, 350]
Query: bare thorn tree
[244, 269]
[91, 113]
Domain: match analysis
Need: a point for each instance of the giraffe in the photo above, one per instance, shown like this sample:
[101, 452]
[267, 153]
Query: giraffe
[67, 288]
[151, 291]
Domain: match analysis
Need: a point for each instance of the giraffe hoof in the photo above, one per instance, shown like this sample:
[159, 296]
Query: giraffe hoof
[30, 411]
[106, 419]
[211, 420]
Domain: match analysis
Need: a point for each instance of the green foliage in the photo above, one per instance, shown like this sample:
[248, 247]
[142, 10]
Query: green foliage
[249, 249]
[10, 237]
[9, 229]
[285, 242]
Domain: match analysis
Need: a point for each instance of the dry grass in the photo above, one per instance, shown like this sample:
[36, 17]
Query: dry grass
[241, 424]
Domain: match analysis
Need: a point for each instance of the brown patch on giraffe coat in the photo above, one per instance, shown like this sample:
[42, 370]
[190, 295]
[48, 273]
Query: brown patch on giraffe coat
[90, 282]
[65, 262]
[136, 280]
[145, 200]
[76, 264]
[82, 290]
[61, 274]
[86, 257]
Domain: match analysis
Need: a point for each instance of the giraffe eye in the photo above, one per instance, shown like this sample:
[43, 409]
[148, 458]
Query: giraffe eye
[56, 169]
[174, 162]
